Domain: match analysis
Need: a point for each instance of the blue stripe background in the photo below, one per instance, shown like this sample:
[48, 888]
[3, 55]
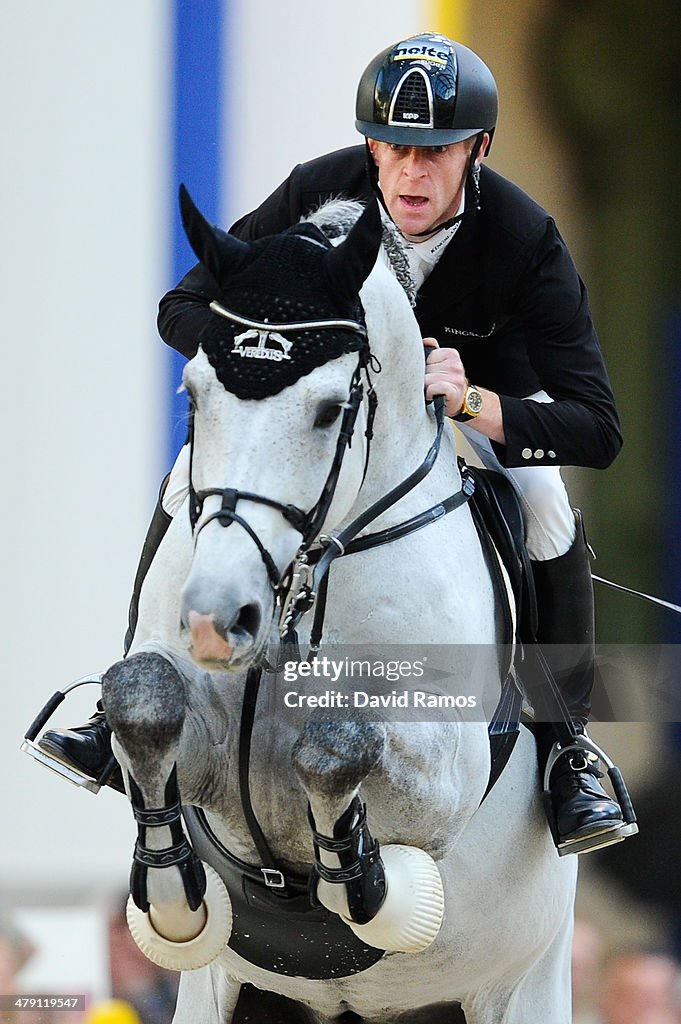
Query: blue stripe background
[198, 103]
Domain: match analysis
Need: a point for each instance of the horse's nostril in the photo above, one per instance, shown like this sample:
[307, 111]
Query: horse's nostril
[247, 621]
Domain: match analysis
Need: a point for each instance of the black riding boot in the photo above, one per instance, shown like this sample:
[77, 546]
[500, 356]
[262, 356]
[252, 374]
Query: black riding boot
[584, 815]
[87, 748]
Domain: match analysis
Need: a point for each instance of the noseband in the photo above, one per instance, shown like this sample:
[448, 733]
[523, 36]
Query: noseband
[308, 523]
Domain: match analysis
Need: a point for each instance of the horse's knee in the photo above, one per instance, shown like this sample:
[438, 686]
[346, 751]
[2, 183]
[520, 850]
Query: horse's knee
[332, 758]
[144, 699]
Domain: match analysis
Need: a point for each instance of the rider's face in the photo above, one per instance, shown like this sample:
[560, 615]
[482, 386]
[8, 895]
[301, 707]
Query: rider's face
[422, 185]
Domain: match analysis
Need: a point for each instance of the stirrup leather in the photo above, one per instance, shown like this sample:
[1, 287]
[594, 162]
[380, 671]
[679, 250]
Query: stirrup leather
[585, 747]
[66, 771]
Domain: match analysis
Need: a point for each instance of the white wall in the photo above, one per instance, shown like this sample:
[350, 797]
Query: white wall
[85, 186]
[295, 71]
[85, 124]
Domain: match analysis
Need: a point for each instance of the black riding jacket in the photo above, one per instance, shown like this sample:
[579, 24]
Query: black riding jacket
[505, 293]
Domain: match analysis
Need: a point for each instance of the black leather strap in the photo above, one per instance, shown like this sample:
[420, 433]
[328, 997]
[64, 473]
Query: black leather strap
[158, 816]
[347, 541]
[280, 930]
[172, 855]
[248, 708]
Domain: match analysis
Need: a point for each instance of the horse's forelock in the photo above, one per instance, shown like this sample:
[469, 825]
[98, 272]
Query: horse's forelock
[335, 217]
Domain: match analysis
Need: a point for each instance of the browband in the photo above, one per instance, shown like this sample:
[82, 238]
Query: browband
[307, 325]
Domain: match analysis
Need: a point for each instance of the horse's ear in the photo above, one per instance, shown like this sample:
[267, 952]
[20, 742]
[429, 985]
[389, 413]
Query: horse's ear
[219, 252]
[350, 263]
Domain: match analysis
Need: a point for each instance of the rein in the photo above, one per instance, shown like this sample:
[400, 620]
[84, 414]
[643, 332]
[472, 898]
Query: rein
[314, 581]
[311, 586]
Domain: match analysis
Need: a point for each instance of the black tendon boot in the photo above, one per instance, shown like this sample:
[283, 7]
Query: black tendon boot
[583, 816]
[87, 748]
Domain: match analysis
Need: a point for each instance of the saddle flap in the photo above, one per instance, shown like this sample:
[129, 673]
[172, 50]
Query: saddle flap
[498, 516]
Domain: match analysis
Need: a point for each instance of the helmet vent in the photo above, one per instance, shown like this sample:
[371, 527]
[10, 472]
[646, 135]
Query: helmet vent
[412, 102]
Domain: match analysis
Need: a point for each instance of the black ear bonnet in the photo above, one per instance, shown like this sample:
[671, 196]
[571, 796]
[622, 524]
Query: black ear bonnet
[294, 278]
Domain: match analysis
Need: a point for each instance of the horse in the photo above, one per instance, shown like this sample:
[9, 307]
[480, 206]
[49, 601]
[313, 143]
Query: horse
[311, 447]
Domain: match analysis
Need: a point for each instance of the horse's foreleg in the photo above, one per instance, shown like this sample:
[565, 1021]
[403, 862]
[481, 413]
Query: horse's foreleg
[331, 760]
[392, 899]
[208, 995]
[177, 919]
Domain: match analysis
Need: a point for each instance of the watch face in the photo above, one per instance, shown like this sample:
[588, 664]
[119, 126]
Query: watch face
[473, 401]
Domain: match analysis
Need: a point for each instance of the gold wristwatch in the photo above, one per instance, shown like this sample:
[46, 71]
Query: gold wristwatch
[472, 405]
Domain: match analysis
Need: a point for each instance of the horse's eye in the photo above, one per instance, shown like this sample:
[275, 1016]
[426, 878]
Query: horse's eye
[327, 414]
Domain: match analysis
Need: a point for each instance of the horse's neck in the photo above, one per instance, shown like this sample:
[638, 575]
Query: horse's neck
[404, 429]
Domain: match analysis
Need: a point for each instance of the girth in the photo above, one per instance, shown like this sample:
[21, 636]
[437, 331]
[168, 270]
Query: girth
[321, 947]
[265, 900]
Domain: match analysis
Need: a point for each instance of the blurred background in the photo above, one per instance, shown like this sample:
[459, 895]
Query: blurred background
[105, 109]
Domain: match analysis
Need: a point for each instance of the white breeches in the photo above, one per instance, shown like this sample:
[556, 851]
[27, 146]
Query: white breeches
[549, 519]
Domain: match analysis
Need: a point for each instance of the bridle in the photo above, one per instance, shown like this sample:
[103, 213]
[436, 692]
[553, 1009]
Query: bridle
[305, 582]
[309, 523]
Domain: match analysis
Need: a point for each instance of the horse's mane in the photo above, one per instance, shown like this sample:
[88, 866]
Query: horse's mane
[335, 218]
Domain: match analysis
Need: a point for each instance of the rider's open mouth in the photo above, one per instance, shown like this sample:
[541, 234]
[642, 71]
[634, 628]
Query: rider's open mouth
[414, 202]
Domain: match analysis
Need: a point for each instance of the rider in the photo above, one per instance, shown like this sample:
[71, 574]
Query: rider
[497, 288]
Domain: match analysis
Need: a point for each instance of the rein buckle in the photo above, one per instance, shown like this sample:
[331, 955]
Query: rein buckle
[273, 878]
[299, 594]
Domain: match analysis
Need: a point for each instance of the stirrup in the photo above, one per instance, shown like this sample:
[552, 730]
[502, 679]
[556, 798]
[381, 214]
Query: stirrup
[66, 771]
[598, 840]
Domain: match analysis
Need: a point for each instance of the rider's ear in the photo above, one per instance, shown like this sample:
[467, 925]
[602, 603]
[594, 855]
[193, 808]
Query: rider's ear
[484, 148]
[219, 252]
[350, 263]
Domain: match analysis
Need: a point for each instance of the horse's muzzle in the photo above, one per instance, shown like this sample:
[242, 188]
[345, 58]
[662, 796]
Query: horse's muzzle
[215, 644]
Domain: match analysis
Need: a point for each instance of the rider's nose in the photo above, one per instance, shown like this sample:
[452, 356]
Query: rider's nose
[413, 165]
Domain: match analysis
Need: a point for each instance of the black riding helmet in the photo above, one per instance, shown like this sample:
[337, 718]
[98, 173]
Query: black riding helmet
[426, 91]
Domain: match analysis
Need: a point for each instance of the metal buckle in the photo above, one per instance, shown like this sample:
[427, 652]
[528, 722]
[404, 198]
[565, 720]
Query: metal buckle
[273, 878]
[298, 593]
